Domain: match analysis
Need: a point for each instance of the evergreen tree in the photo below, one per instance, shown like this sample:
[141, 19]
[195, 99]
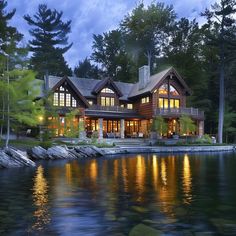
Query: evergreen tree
[110, 53]
[50, 41]
[146, 32]
[221, 22]
[87, 70]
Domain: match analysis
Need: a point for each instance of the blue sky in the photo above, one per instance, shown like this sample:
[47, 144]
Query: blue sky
[94, 17]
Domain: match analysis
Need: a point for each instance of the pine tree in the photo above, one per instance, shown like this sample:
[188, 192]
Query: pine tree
[50, 41]
[221, 22]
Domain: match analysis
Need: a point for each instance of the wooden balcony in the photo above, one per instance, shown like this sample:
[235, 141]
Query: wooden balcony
[193, 112]
[110, 109]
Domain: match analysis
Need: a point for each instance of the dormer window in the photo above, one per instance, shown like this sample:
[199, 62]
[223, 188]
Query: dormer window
[107, 90]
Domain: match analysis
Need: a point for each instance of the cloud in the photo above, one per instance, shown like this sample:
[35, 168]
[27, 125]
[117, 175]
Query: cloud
[94, 17]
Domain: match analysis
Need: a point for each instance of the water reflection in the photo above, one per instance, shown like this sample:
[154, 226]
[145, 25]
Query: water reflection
[40, 200]
[187, 180]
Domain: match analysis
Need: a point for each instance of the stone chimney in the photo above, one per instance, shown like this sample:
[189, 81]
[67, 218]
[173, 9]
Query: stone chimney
[144, 76]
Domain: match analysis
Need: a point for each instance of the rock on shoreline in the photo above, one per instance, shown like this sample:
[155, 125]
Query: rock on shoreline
[11, 158]
[63, 152]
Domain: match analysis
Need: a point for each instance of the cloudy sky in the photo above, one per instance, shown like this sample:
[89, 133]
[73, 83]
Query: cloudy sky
[94, 17]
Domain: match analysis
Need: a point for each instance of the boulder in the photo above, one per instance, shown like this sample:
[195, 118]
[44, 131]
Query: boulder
[58, 152]
[11, 157]
[38, 153]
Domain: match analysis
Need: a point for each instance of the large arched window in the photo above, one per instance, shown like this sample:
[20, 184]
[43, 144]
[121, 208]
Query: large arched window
[163, 90]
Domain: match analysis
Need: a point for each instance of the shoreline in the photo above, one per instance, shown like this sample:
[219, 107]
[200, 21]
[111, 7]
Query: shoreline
[166, 149]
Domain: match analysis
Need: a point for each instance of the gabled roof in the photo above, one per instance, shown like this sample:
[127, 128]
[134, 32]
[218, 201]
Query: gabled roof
[66, 79]
[106, 82]
[86, 86]
[155, 81]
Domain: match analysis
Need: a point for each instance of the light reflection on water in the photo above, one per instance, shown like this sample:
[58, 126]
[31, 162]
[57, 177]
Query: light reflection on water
[40, 200]
[111, 195]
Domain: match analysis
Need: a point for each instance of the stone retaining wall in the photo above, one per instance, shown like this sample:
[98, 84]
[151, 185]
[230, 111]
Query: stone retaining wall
[169, 149]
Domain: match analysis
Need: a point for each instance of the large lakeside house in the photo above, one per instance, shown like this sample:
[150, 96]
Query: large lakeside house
[118, 109]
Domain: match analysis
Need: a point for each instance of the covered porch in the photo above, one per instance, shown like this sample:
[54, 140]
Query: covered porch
[116, 128]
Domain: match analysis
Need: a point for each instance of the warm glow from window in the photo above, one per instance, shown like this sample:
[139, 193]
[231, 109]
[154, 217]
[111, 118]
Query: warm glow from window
[62, 99]
[73, 102]
[107, 101]
[163, 103]
[145, 100]
[130, 106]
[68, 100]
[107, 90]
[164, 90]
[90, 102]
[55, 99]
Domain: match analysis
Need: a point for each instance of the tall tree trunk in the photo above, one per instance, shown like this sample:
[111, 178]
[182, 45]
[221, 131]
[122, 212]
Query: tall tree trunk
[3, 117]
[8, 106]
[221, 96]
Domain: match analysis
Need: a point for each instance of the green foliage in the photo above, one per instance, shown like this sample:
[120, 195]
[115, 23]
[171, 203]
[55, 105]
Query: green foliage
[109, 51]
[159, 125]
[146, 31]
[205, 139]
[94, 137]
[22, 89]
[72, 131]
[49, 35]
[87, 70]
[186, 125]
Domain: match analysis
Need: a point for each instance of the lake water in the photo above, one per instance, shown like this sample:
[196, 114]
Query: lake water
[175, 194]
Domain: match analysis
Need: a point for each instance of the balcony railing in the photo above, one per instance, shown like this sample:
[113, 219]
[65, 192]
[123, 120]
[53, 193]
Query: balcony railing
[194, 112]
[110, 109]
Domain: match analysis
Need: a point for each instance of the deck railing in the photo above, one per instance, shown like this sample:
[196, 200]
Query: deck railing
[110, 109]
[180, 111]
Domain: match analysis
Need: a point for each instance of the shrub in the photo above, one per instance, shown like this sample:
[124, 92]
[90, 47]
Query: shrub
[94, 137]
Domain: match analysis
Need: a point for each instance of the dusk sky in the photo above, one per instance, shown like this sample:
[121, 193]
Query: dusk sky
[94, 17]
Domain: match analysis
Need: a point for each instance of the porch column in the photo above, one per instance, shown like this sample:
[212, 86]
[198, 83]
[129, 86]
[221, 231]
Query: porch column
[201, 128]
[100, 128]
[122, 128]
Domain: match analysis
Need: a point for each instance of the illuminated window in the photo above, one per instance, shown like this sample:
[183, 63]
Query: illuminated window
[61, 88]
[122, 105]
[130, 106]
[73, 102]
[173, 91]
[164, 90]
[163, 103]
[103, 101]
[55, 99]
[177, 103]
[145, 100]
[107, 90]
[62, 99]
[90, 102]
[107, 101]
[68, 99]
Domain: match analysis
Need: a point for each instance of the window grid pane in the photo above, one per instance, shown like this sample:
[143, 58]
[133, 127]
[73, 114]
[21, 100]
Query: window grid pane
[73, 102]
[68, 100]
[62, 99]
[55, 99]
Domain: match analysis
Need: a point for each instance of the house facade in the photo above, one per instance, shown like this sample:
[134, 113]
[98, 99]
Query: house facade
[117, 109]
